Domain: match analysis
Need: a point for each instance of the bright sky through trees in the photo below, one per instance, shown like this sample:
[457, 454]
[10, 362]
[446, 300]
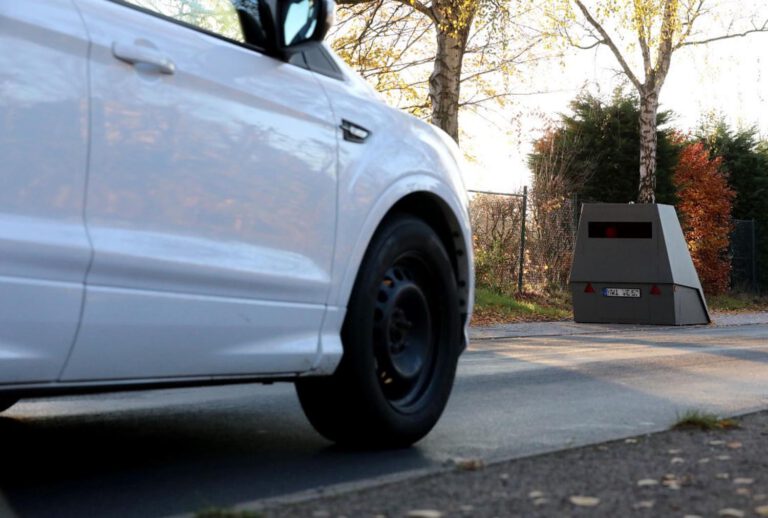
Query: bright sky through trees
[729, 78]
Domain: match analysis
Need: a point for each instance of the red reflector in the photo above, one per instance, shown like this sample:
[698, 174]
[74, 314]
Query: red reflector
[611, 232]
[589, 288]
[655, 290]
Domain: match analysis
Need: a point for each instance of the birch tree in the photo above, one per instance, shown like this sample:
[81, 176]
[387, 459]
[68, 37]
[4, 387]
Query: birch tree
[643, 35]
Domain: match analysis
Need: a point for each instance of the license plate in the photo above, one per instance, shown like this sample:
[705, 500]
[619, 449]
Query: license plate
[621, 292]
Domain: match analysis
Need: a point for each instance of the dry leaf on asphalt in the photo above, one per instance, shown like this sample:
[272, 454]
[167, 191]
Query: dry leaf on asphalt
[584, 501]
[762, 510]
[743, 481]
[731, 512]
[647, 482]
[734, 445]
[644, 504]
[535, 494]
[424, 513]
[677, 460]
[469, 464]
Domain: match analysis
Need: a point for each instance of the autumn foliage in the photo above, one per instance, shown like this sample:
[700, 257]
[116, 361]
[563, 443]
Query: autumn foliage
[705, 205]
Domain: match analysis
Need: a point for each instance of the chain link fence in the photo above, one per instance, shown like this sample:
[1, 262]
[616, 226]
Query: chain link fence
[522, 243]
[525, 243]
[744, 255]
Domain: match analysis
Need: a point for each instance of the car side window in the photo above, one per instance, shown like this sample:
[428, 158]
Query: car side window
[219, 17]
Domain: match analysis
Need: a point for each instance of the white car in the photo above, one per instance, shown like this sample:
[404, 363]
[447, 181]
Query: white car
[199, 192]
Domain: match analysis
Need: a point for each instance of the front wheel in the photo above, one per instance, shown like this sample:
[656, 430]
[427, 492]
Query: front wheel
[402, 339]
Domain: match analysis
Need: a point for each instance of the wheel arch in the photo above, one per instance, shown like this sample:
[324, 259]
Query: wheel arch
[425, 197]
[431, 209]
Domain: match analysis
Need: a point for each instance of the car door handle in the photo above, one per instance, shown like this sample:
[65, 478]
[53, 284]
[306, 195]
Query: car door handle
[139, 55]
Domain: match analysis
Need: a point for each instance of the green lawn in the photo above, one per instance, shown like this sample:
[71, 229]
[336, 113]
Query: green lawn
[493, 307]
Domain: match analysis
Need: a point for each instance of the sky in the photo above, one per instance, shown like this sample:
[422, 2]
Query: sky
[728, 77]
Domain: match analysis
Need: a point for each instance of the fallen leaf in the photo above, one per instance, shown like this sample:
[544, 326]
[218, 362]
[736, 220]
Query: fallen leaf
[540, 501]
[762, 510]
[692, 516]
[723, 476]
[677, 460]
[716, 443]
[646, 482]
[584, 501]
[469, 464]
[424, 513]
[743, 481]
[704, 460]
[734, 445]
[675, 451]
[731, 512]
[723, 457]
[535, 494]
[467, 508]
[630, 441]
[644, 504]
[743, 491]
[759, 497]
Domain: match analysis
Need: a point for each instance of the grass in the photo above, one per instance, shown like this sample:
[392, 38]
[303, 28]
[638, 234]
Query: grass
[492, 307]
[737, 302]
[698, 420]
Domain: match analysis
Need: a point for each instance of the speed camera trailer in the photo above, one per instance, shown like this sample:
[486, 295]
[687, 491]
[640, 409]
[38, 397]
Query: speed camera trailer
[631, 265]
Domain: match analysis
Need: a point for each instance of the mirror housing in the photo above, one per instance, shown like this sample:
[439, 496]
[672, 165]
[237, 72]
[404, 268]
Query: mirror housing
[303, 21]
[285, 27]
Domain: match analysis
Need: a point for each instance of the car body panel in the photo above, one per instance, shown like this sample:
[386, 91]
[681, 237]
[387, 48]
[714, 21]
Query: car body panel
[218, 182]
[402, 156]
[227, 235]
[44, 249]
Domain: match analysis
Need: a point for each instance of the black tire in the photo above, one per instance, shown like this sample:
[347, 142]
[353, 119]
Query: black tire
[7, 402]
[402, 340]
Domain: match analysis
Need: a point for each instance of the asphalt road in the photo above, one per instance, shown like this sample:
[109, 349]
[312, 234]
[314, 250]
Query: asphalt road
[168, 452]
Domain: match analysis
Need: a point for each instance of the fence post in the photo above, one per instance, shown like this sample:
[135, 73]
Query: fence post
[522, 241]
[755, 280]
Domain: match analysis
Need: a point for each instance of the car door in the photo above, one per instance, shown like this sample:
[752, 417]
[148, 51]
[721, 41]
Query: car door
[44, 250]
[211, 198]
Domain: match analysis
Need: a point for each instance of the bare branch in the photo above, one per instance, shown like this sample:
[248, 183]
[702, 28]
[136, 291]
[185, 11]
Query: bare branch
[423, 9]
[762, 28]
[611, 45]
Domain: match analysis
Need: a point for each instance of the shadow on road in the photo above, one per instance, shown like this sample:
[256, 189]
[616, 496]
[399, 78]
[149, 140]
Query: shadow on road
[157, 461]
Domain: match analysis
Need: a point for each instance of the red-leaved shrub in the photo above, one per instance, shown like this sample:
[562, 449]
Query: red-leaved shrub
[704, 204]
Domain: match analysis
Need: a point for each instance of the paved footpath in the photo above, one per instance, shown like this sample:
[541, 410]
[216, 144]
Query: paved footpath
[568, 328]
[675, 473]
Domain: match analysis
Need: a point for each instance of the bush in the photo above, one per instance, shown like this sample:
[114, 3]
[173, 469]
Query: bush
[705, 203]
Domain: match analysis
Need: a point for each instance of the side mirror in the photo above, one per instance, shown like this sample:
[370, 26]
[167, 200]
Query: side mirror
[303, 21]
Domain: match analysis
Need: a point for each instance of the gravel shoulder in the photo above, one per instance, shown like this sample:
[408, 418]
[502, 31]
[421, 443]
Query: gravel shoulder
[672, 473]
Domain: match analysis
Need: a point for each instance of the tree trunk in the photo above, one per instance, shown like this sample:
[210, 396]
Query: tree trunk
[649, 106]
[445, 80]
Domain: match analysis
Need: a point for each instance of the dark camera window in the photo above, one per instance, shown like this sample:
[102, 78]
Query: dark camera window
[621, 229]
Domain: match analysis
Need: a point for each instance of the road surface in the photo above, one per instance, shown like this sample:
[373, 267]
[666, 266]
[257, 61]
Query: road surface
[175, 451]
